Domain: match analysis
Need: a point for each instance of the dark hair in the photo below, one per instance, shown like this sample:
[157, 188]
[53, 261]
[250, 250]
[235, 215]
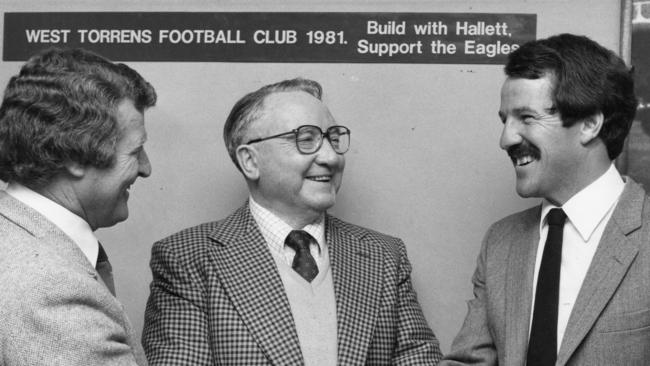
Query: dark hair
[588, 79]
[250, 107]
[62, 107]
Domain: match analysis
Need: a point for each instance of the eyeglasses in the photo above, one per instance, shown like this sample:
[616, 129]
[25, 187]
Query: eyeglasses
[309, 138]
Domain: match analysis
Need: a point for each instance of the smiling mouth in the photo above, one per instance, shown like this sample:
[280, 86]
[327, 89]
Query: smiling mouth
[127, 191]
[320, 178]
[523, 154]
[523, 160]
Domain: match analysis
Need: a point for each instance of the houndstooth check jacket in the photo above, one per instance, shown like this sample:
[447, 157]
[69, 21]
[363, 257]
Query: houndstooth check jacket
[217, 299]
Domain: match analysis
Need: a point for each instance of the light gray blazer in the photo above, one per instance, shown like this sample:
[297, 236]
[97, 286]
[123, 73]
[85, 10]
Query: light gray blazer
[54, 309]
[610, 321]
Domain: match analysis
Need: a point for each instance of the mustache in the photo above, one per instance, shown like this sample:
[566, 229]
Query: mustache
[524, 148]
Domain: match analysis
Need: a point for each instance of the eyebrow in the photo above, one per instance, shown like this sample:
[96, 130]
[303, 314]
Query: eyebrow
[522, 110]
[139, 142]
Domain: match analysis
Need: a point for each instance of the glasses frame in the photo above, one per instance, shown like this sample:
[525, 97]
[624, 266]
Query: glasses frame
[324, 135]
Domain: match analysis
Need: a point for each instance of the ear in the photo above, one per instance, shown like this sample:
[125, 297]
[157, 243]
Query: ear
[247, 157]
[75, 169]
[591, 127]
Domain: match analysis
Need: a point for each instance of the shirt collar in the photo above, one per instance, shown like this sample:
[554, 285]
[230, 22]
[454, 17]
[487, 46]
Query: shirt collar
[275, 230]
[72, 225]
[587, 208]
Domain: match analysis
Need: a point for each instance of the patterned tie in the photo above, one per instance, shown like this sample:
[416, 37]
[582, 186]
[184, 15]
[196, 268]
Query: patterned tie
[105, 269]
[542, 345]
[303, 262]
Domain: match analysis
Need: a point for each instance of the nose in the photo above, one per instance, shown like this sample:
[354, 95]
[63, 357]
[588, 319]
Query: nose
[510, 134]
[326, 154]
[144, 165]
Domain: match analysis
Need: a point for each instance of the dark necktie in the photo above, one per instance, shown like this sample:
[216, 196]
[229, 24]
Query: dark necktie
[104, 269]
[542, 345]
[303, 262]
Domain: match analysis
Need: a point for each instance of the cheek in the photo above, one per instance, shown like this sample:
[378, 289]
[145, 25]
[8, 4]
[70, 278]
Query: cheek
[128, 168]
[558, 155]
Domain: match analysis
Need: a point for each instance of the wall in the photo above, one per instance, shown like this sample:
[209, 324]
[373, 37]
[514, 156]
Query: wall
[424, 164]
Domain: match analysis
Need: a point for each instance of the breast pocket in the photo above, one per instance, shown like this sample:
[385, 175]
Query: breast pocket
[618, 339]
[625, 322]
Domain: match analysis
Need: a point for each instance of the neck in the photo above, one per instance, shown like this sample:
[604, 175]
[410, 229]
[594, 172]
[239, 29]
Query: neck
[65, 196]
[296, 218]
[588, 174]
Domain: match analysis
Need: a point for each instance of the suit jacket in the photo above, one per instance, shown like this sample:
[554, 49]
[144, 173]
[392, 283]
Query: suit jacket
[217, 298]
[610, 321]
[54, 309]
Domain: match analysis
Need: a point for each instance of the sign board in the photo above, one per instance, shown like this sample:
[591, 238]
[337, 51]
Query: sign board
[468, 38]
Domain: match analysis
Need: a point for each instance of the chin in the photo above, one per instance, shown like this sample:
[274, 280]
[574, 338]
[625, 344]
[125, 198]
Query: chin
[116, 221]
[120, 216]
[323, 205]
[527, 192]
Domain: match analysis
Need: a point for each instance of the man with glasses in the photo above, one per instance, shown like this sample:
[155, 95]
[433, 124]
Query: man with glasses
[280, 281]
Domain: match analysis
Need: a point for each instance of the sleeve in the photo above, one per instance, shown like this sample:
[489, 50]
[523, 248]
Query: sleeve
[474, 344]
[176, 325]
[416, 344]
[54, 316]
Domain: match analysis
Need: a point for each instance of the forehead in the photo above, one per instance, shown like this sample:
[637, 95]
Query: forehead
[522, 93]
[295, 108]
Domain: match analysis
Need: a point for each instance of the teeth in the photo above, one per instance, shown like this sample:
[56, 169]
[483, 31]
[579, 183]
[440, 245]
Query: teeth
[524, 160]
[320, 178]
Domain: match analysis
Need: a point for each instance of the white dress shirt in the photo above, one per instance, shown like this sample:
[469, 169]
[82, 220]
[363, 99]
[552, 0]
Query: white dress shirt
[588, 212]
[72, 225]
[275, 231]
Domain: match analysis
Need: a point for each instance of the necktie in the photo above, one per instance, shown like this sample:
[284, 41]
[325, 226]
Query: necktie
[303, 262]
[542, 345]
[105, 269]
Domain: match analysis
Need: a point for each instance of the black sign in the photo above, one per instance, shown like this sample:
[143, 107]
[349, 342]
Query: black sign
[468, 38]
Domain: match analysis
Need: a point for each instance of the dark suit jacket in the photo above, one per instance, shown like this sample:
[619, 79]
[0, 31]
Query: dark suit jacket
[54, 309]
[610, 321]
[217, 298]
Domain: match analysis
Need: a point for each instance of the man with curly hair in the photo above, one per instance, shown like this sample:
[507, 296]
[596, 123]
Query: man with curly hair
[71, 145]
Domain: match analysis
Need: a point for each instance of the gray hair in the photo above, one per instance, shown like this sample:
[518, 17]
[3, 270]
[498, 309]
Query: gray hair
[62, 107]
[250, 108]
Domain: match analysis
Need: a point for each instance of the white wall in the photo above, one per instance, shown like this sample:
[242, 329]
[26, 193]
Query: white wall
[424, 164]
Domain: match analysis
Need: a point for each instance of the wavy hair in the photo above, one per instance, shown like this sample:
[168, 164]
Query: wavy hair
[588, 79]
[62, 107]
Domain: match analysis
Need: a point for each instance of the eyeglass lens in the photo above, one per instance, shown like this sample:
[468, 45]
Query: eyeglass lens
[310, 138]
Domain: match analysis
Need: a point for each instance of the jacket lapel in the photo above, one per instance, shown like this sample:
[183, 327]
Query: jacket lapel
[357, 272]
[56, 241]
[614, 255]
[251, 279]
[49, 235]
[519, 288]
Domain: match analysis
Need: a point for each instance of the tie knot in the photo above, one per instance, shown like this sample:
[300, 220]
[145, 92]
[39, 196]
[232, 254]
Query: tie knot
[556, 217]
[299, 240]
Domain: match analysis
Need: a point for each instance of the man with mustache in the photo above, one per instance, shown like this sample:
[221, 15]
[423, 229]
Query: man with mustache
[566, 282]
[280, 281]
[71, 145]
